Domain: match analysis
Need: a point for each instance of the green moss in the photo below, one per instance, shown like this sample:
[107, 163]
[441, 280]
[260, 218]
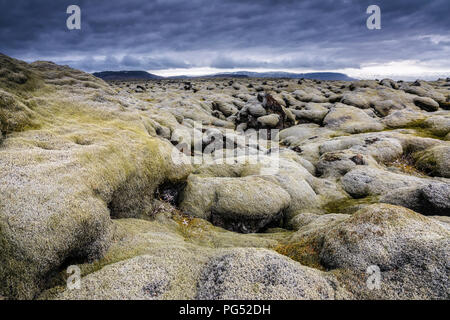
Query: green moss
[426, 162]
[204, 234]
[17, 279]
[419, 128]
[17, 77]
[113, 256]
[193, 229]
[419, 123]
[57, 283]
[338, 134]
[305, 251]
[407, 164]
[15, 116]
[346, 205]
[115, 162]
[426, 133]
[123, 247]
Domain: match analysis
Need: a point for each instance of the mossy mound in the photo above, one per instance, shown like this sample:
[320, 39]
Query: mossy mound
[397, 241]
[88, 177]
[143, 245]
[435, 161]
[81, 162]
[349, 205]
[18, 85]
[15, 115]
[17, 76]
[305, 251]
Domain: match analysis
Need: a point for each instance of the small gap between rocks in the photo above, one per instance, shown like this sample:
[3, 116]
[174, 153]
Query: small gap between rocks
[170, 192]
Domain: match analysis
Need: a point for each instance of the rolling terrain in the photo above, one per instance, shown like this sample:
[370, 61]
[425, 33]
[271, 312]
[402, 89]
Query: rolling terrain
[166, 188]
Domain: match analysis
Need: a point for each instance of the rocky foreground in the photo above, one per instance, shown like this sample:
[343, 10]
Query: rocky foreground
[88, 177]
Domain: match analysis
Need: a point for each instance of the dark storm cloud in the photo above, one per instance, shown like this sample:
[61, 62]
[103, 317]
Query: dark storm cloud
[314, 34]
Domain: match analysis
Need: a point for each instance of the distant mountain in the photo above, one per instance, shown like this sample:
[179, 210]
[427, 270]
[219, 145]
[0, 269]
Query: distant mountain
[289, 75]
[143, 75]
[229, 75]
[180, 77]
[126, 75]
[217, 75]
[314, 75]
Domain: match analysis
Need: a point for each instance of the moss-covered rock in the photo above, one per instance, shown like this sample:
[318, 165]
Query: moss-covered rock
[350, 119]
[245, 204]
[363, 182]
[438, 125]
[18, 83]
[142, 246]
[355, 99]
[426, 103]
[312, 112]
[88, 176]
[410, 250]
[84, 162]
[404, 118]
[262, 274]
[430, 199]
[229, 193]
[16, 76]
[435, 161]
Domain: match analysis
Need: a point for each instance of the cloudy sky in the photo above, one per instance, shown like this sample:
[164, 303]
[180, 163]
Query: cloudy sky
[171, 37]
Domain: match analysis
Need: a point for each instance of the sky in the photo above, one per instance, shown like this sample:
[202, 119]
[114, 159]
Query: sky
[196, 37]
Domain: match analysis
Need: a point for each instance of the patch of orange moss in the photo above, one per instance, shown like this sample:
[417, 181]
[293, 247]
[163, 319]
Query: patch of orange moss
[306, 252]
[190, 228]
[406, 164]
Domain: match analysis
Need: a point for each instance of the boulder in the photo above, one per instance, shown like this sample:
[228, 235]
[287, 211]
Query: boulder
[385, 107]
[256, 110]
[246, 204]
[313, 112]
[438, 125]
[226, 108]
[403, 118]
[262, 274]
[303, 133]
[312, 224]
[435, 160]
[297, 182]
[351, 120]
[409, 250]
[338, 163]
[143, 277]
[366, 181]
[426, 104]
[357, 100]
[430, 199]
[389, 83]
[269, 121]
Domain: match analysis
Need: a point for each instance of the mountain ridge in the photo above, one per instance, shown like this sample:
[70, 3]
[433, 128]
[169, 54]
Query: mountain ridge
[126, 75]
[144, 75]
